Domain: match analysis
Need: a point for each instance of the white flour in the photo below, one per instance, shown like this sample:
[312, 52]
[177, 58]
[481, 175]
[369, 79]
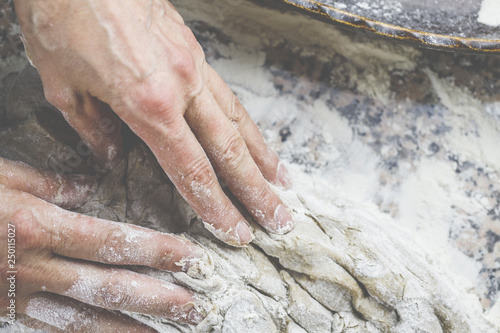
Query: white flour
[489, 13]
[58, 315]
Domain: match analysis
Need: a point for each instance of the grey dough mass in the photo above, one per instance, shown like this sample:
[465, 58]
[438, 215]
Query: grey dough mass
[341, 270]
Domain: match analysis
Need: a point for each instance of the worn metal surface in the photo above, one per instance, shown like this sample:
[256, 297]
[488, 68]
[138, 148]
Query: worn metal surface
[449, 25]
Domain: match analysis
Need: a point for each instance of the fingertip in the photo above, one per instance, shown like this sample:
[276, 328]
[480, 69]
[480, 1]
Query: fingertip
[239, 236]
[283, 176]
[244, 232]
[195, 316]
[284, 222]
[77, 190]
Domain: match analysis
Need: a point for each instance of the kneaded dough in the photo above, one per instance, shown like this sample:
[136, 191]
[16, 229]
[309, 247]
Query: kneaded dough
[344, 268]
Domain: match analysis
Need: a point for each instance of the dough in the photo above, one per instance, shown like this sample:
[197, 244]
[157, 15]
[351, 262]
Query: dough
[345, 267]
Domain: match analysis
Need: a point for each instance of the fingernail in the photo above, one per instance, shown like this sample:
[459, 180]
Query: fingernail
[244, 232]
[283, 176]
[284, 220]
[195, 317]
[241, 235]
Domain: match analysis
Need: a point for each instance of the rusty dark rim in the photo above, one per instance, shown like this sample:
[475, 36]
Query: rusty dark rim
[358, 23]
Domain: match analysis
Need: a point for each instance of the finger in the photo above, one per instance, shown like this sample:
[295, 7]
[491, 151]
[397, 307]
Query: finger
[37, 325]
[120, 289]
[96, 124]
[100, 128]
[94, 120]
[54, 313]
[67, 191]
[183, 159]
[265, 158]
[84, 237]
[233, 162]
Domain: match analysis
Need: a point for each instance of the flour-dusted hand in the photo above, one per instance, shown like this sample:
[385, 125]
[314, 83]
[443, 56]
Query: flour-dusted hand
[71, 269]
[138, 59]
[66, 191]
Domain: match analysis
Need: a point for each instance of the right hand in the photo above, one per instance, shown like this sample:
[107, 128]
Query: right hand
[68, 265]
[139, 60]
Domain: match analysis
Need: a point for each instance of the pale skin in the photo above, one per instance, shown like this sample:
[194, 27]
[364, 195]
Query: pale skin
[133, 61]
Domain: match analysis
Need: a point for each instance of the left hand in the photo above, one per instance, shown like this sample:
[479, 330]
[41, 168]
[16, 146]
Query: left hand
[71, 270]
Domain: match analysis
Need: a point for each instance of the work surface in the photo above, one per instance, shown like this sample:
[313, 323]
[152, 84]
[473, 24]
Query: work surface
[410, 136]
[415, 132]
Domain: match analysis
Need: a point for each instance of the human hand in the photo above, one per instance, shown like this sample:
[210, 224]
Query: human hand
[68, 265]
[138, 59]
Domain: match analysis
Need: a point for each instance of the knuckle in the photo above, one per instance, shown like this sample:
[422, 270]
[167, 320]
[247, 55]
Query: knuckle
[187, 69]
[151, 95]
[184, 63]
[156, 107]
[114, 293]
[200, 176]
[112, 249]
[29, 233]
[234, 151]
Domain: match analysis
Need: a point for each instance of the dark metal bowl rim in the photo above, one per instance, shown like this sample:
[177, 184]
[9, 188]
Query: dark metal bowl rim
[359, 23]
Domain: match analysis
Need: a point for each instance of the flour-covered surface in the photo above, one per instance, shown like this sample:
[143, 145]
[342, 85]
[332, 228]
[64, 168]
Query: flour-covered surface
[396, 193]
